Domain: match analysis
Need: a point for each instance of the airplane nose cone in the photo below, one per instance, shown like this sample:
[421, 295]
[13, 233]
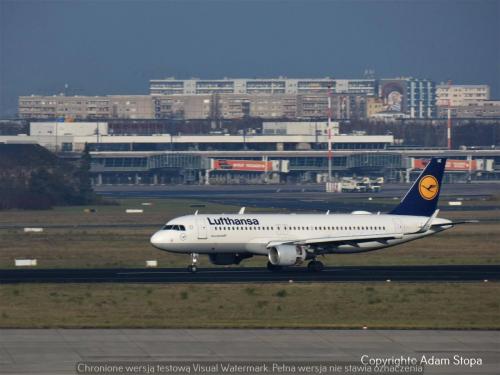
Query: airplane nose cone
[156, 239]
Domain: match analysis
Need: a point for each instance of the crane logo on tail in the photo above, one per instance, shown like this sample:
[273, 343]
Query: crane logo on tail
[428, 187]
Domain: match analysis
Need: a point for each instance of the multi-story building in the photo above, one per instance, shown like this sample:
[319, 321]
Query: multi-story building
[410, 96]
[472, 109]
[460, 95]
[172, 86]
[236, 106]
[85, 107]
[275, 106]
[75, 107]
[374, 106]
[184, 107]
[131, 106]
[344, 106]
[225, 106]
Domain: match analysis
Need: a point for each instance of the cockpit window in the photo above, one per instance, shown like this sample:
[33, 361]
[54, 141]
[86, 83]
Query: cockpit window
[174, 227]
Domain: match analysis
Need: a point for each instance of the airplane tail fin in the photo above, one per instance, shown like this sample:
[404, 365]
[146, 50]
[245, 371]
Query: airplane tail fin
[422, 198]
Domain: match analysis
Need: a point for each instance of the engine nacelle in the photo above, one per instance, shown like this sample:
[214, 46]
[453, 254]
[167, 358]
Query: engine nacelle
[224, 259]
[287, 255]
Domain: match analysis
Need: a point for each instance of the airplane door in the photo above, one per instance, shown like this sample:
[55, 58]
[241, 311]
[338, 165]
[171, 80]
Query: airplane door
[398, 226]
[201, 224]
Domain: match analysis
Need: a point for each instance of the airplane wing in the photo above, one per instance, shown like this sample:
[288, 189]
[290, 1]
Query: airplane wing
[350, 240]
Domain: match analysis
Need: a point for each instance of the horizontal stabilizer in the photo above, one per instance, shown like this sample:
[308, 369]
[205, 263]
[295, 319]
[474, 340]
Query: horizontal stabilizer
[455, 223]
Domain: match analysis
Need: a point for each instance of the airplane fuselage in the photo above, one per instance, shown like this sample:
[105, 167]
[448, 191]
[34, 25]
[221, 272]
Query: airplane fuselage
[206, 234]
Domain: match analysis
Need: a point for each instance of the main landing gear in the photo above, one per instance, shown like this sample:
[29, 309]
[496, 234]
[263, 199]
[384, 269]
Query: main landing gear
[194, 261]
[315, 266]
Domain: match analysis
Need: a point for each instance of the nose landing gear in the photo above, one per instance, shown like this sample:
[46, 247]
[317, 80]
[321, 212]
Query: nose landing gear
[194, 261]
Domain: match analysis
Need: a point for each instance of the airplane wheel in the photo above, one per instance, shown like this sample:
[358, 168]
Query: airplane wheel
[271, 267]
[315, 266]
[192, 268]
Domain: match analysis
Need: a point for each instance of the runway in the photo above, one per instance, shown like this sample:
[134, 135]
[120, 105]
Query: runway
[462, 273]
[59, 351]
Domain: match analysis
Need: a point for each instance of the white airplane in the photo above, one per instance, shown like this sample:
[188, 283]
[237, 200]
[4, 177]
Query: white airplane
[291, 239]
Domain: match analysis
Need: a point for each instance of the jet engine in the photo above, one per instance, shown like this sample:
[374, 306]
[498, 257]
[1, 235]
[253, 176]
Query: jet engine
[286, 255]
[224, 259]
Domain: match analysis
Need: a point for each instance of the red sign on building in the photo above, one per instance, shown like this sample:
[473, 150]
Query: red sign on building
[243, 165]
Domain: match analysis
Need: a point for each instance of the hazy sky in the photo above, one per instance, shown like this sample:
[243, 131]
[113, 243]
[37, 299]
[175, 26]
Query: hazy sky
[115, 47]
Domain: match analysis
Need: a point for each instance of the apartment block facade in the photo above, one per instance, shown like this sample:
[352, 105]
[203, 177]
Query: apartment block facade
[172, 86]
[413, 97]
[460, 95]
[85, 107]
[472, 109]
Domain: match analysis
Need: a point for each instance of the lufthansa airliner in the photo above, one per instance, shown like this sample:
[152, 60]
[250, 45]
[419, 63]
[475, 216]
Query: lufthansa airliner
[291, 239]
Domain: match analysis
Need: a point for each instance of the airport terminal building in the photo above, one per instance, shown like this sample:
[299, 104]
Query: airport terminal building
[283, 152]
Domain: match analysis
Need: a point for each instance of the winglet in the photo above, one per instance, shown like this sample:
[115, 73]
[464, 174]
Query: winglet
[242, 211]
[328, 212]
[196, 212]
